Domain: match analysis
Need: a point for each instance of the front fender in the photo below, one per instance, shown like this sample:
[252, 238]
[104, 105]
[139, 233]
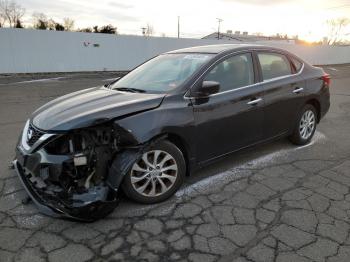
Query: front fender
[174, 116]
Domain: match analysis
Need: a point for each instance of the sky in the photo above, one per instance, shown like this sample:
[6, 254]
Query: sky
[305, 18]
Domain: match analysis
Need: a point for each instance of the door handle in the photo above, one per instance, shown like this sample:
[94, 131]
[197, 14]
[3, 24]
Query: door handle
[298, 90]
[255, 101]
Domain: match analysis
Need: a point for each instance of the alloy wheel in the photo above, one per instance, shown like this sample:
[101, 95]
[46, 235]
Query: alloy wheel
[307, 124]
[154, 174]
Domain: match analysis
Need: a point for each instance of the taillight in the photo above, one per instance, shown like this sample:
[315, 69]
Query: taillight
[326, 78]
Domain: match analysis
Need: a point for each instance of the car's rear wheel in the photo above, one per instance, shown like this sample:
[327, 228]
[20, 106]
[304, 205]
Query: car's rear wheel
[305, 127]
[156, 175]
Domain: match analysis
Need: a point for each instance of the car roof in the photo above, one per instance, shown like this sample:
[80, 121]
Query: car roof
[217, 49]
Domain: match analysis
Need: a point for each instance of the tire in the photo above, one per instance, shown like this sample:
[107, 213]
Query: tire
[150, 173]
[299, 137]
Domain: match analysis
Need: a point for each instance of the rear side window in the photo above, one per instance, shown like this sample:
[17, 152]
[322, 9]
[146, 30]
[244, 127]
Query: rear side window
[297, 64]
[274, 65]
[234, 72]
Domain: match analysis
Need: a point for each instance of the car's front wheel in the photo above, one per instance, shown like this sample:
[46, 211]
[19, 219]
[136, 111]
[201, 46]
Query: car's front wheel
[156, 175]
[305, 127]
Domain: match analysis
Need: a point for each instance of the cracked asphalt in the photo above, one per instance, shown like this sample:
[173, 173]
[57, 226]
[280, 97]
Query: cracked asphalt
[274, 202]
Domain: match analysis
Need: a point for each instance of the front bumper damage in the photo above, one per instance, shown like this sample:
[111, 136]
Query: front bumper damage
[84, 211]
[81, 184]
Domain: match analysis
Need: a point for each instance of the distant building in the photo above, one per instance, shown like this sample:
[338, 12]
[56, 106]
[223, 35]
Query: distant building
[244, 37]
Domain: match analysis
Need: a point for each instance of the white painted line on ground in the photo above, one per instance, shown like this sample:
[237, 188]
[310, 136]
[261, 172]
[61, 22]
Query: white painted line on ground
[212, 181]
[39, 80]
[332, 68]
[269, 158]
[110, 79]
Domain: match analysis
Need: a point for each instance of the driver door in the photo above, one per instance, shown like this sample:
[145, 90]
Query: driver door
[232, 118]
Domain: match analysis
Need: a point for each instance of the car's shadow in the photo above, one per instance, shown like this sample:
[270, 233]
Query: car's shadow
[236, 159]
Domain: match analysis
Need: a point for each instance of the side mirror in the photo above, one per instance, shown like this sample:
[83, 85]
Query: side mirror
[208, 88]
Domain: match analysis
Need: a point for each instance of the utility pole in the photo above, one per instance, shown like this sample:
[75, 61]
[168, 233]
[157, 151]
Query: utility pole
[178, 27]
[219, 22]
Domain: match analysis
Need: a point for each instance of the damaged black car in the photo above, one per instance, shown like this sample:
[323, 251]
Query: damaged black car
[146, 131]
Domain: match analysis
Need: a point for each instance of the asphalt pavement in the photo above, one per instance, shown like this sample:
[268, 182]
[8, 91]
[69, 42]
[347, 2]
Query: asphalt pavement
[274, 202]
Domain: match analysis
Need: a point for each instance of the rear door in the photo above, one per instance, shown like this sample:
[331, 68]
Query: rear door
[283, 92]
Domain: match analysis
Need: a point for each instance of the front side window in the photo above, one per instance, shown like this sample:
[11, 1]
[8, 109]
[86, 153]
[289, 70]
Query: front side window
[234, 72]
[163, 73]
[274, 65]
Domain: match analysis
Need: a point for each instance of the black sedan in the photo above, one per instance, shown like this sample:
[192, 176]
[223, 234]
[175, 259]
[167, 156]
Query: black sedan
[145, 132]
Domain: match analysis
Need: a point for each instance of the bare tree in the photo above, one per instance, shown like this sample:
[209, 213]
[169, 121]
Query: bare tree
[16, 14]
[2, 19]
[336, 28]
[51, 24]
[4, 12]
[40, 21]
[68, 24]
[11, 12]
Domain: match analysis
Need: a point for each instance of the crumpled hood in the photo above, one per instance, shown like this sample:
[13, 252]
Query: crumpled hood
[91, 106]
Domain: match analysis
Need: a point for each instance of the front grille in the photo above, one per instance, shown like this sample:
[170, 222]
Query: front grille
[33, 135]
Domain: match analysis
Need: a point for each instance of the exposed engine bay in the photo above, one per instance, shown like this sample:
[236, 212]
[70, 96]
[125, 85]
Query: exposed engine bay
[76, 174]
[91, 150]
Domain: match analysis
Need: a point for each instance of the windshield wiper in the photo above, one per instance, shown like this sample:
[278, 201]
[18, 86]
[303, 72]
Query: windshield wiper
[129, 89]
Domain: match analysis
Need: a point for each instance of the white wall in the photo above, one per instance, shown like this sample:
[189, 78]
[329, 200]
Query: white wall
[27, 51]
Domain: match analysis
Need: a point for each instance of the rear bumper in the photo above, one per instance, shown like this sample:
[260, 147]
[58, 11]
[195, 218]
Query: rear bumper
[325, 103]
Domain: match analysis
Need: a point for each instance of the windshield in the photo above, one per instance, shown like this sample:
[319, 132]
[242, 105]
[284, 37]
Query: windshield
[162, 73]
